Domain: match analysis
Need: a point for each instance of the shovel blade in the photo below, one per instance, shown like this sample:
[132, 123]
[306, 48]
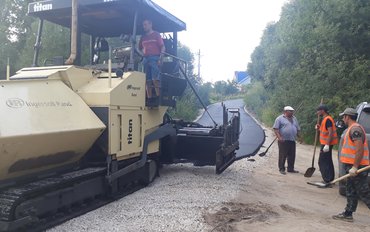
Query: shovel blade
[319, 184]
[309, 172]
[262, 154]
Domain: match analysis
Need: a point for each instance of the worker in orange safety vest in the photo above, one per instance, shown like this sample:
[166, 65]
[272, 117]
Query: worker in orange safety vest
[328, 138]
[354, 155]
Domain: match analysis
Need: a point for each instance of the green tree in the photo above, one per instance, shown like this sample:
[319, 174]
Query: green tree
[231, 87]
[318, 49]
[220, 87]
[188, 105]
[14, 28]
[54, 42]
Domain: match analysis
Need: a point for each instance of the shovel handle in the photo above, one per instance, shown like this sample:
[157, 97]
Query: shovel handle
[348, 175]
[316, 133]
[315, 143]
[271, 144]
[314, 149]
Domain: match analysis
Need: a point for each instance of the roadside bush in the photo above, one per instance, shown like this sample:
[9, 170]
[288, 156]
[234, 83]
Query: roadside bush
[255, 98]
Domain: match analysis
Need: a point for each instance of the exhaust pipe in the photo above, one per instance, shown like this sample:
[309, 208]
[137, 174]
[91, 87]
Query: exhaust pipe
[74, 23]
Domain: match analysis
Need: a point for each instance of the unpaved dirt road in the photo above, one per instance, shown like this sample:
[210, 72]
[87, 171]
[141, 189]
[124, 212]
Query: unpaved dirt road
[275, 202]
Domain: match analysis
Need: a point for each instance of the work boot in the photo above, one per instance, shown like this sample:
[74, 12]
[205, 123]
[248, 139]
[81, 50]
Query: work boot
[293, 171]
[344, 217]
[283, 172]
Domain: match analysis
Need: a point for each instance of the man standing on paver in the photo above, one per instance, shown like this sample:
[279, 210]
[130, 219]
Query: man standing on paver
[286, 129]
[354, 155]
[152, 47]
[328, 138]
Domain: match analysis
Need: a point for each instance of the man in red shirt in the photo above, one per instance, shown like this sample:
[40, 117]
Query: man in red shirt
[152, 47]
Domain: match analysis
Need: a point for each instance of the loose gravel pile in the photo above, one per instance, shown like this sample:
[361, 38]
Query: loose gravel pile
[175, 201]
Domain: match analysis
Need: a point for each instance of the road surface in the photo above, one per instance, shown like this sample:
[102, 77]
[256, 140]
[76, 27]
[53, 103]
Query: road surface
[252, 136]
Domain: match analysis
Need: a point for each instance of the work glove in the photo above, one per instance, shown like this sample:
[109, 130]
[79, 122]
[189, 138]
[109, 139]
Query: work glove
[317, 126]
[326, 148]
[352, 171]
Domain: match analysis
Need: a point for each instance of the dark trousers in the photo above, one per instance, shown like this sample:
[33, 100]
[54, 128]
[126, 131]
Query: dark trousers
[326, 164]
[357, 188]
[286, 152]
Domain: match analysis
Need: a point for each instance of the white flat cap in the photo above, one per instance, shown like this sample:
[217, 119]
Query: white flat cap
[288, 108]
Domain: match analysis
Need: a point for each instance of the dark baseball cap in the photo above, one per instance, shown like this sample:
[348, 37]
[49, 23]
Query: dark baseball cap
[349, 111]
[322, 107]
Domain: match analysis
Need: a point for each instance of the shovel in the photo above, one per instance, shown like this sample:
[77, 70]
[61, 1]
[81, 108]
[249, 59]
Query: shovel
[324, 185]
[311, 170]
[264, 153]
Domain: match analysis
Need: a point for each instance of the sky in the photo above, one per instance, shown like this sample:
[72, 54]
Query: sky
[225, 32]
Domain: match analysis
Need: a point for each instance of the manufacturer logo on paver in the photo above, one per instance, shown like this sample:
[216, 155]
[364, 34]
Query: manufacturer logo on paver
[42, 7]
[129, 135]
[131, 87]
[15, 103]
[19, 103]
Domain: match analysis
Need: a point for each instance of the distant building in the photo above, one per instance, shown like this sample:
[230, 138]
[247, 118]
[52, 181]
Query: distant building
[242, 77]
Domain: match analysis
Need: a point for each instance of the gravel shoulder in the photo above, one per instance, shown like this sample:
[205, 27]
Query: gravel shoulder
[248, 196]
[176, 201]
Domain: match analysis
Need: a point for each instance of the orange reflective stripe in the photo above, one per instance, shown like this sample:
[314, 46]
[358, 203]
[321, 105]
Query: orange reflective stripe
[324, 133]
[348, 152]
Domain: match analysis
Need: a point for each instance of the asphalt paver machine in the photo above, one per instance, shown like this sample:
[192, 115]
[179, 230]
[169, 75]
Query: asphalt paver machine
[75, 133]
